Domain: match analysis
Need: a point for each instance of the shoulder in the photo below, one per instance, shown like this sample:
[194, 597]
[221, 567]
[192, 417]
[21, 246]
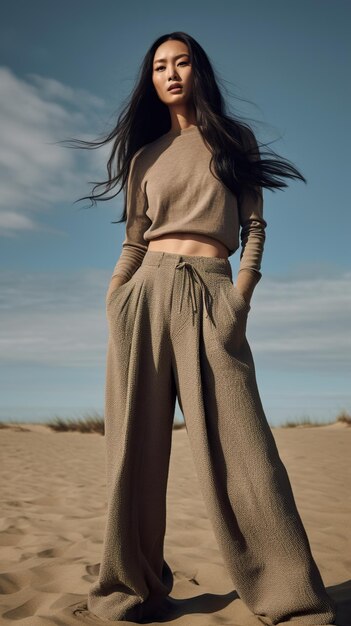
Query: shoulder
[143, 153]
[145, 156]
[136, 166]
[138, 154]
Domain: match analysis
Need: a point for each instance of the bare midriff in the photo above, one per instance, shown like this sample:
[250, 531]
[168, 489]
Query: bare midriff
[196, 245]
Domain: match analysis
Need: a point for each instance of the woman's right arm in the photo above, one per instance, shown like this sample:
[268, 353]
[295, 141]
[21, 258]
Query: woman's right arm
[134, 246]
[115, 282]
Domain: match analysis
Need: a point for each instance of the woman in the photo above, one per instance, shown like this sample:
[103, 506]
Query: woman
[177, 327]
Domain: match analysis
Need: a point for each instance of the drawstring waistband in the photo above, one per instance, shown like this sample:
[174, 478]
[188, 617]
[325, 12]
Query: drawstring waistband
[191, 264]
[194, 275]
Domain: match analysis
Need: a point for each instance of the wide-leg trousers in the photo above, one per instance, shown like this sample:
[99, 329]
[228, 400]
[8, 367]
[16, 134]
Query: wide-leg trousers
[177, 328]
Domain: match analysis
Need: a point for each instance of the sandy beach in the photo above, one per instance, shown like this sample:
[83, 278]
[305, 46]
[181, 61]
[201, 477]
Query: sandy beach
[53, 508]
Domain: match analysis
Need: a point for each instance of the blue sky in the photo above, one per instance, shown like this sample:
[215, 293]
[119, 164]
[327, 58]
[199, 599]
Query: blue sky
[65, 69]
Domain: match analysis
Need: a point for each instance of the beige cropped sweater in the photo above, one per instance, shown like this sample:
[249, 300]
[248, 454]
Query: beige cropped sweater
[170, 188]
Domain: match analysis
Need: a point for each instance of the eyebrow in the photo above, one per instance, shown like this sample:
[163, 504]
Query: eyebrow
[185, 54]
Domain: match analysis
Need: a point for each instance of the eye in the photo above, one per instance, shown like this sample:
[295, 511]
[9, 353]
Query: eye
[161, 66]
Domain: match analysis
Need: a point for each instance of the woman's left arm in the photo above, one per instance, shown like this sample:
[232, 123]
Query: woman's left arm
[252, 244]
[246, 283]
[252, 236]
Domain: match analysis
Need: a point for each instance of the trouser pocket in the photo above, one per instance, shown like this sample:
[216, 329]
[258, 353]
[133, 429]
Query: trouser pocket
[230, 315]
[115, 293]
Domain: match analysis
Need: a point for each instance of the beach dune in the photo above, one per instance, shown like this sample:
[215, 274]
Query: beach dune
[53, 508]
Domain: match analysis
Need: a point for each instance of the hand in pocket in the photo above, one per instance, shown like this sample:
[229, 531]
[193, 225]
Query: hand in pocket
[114, 285]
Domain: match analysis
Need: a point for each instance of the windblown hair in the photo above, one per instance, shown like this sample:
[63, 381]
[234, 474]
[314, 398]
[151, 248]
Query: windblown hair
[236, 155]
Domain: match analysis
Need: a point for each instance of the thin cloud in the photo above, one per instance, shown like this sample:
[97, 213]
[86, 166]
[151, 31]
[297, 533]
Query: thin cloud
[14, 221]
[35, 172]
[51, 88]
[58, 319]
[301, 323]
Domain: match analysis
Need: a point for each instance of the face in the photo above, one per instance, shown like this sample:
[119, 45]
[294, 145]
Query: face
[172, 64]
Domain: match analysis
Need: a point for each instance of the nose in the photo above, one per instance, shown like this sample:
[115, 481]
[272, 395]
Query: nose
[172, 74]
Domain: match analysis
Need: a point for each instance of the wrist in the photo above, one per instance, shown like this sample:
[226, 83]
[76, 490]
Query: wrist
[117, 280]
[246, 282]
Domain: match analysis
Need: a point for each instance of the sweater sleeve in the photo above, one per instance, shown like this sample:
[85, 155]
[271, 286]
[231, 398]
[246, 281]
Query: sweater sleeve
[134, 246]
[253, 226]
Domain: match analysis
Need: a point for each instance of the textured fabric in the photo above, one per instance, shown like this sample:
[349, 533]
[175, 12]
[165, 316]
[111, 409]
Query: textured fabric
[178, 328]
[171, 188]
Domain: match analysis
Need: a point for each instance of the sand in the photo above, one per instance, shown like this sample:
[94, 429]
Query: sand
[53, 508]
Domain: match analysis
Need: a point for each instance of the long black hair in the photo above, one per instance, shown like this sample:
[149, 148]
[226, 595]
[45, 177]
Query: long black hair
[236, 155]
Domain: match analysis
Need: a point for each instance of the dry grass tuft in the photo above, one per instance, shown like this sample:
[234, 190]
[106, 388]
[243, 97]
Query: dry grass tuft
[89, 423]
[94, 423]
[178, 425]
[304, 422]
[14, 425]
[344, 417]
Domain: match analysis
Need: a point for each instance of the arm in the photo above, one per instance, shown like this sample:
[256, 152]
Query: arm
[134, 246]
[252, 237]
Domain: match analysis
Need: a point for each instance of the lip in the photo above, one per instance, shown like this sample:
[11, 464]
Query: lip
[174, 86]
